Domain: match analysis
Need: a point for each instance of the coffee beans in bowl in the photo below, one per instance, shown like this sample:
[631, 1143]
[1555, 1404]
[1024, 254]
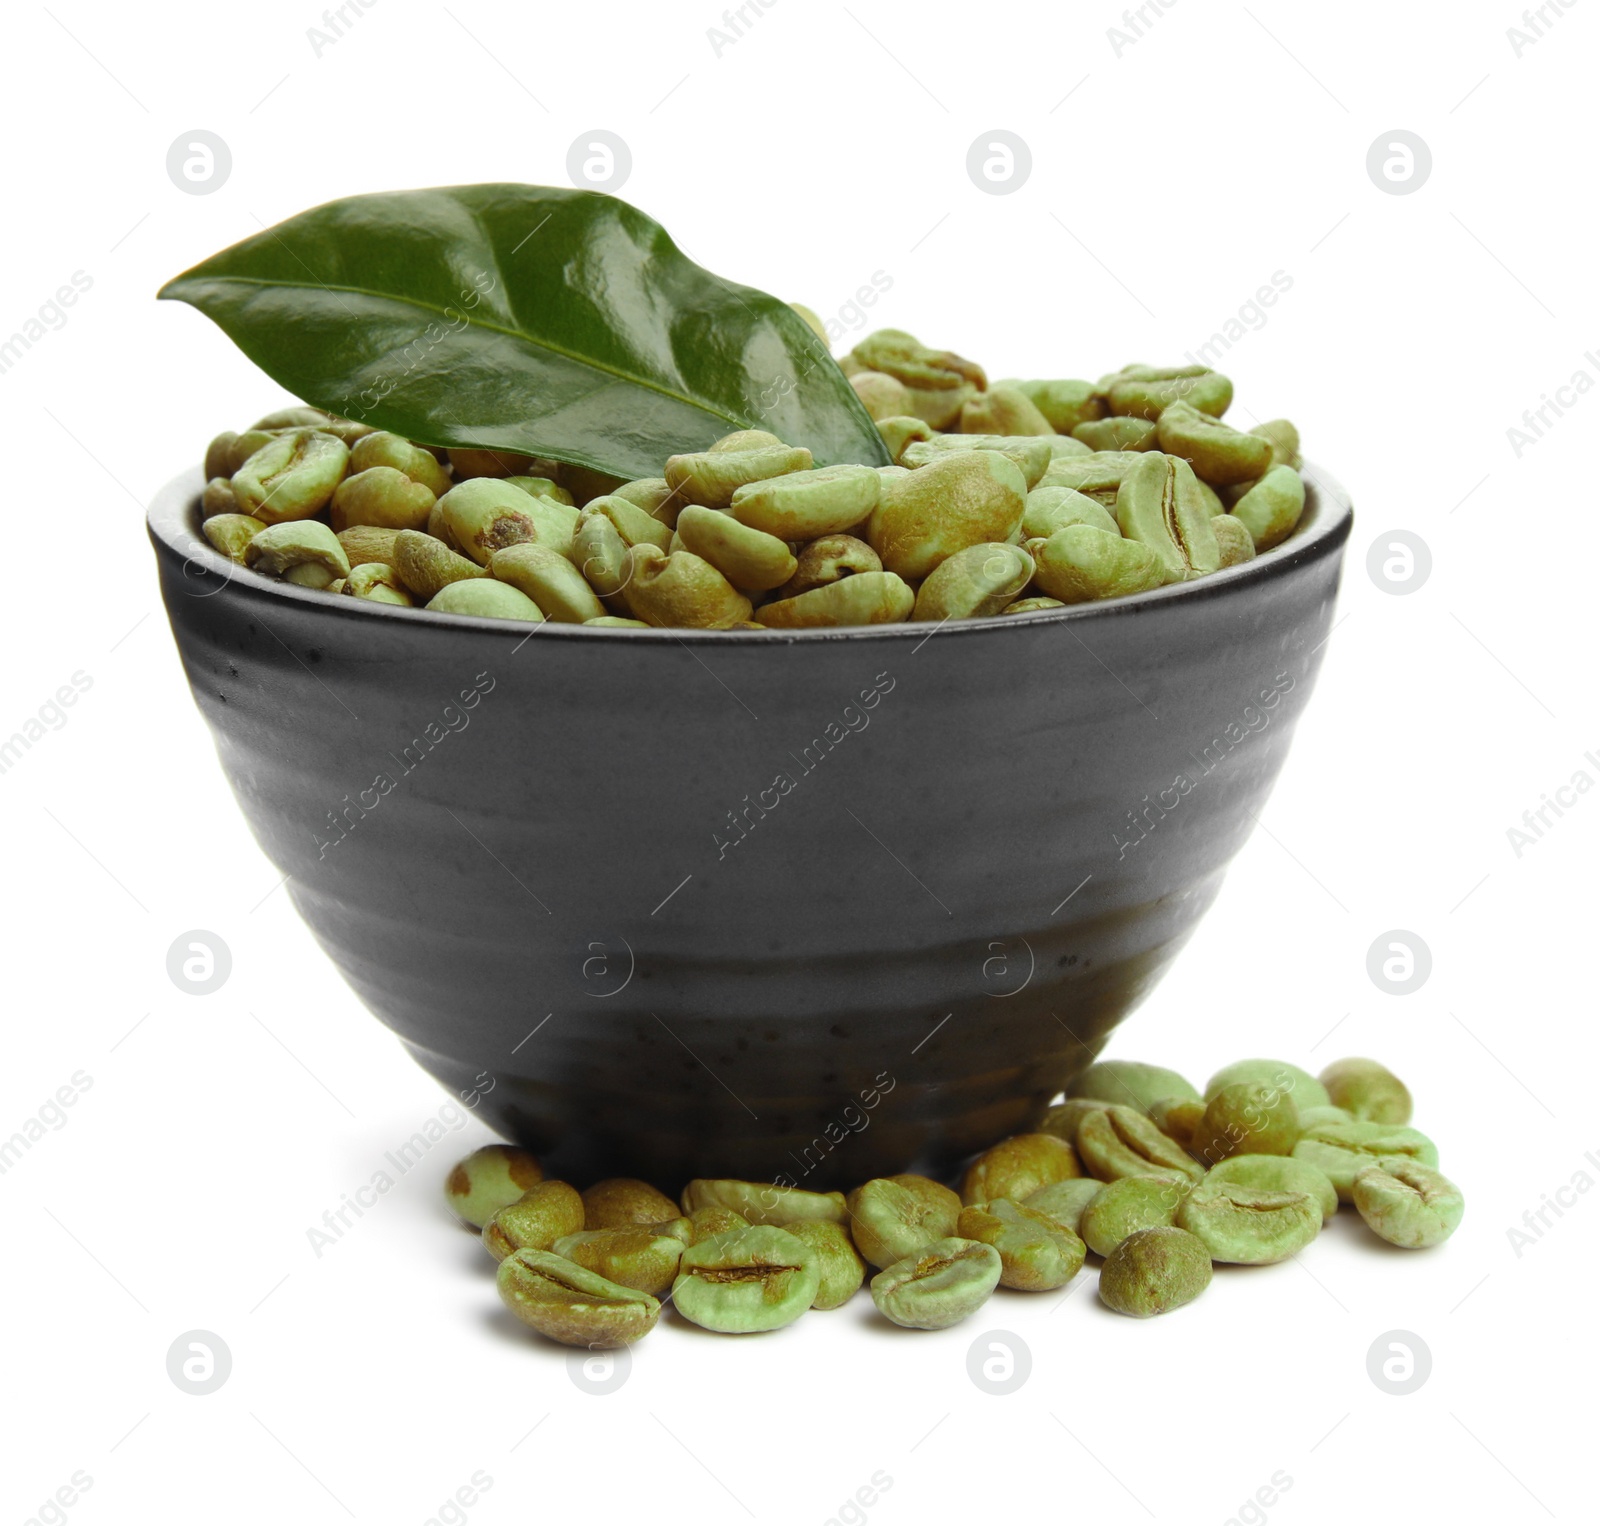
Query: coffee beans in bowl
[750, 534]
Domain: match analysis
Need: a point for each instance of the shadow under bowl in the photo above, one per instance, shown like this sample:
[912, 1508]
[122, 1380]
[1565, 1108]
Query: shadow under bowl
[809, 906]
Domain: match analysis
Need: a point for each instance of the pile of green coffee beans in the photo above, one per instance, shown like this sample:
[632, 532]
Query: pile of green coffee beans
[1136, 1167]
[1044, 494]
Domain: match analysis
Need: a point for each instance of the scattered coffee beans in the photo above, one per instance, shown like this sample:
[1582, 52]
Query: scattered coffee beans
[1137, 1167]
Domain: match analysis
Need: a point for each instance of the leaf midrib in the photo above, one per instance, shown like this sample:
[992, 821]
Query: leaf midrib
[492, 328]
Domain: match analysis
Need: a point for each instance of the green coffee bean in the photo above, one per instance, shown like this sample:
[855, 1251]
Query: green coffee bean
[583, 483]
[542, 1215]
[606, 563]
[764, 1203]
[867, 598]
[1343, 1149]
[1119, 433]
[1116, 1141]
[747, 1280]
[555, 522]
[1284, 439]
[550, 580]
[217, 498]
[1368, 1091]
[544, 487]
[1246, 1119]
[745, 440]
[620, 1202]
[437, 528]
[487, 598]
[812, 322]
[1081, 563]
[901, 355]
[1219, 453]
[1028, 453]
[1155, 1271]
[1278, 1173]
[715, 1220]
[654, 496]
[425, 565]
[1049, 509]
[1407, 1204]
[291, 476]
[489, 1179]
[1003, 411]
[381, 496]
[840, 1269]
[1273, 507]
[746, 557]
[1065, 403]
[1177, 1118]
[712, 477]
[380, 448]
[483, 515]
[634, 525]
[368, 543]
[1018, 1166]
[1037, 1252]
[882, 395]
[938, 382]
[974, 583]
[303, 551]
[1063, 1119]
[1146, 391]
[1310, 1117]
[244, 446]
[938, 1286]
[636, 1257]
[939, 407]
[1065, 1201]
[219, 460]
[682, 590]
[231, 534]
[1212, 498]
[1247, 1225]
[1159, 505]
[1097, 475]
[467, 462]
[376, 582]
[568, 1304]
[804, 505]
[1303, 1087]
[901, 431]
[295, 416]
[1132, 1084]
[1035, 606]
[892, 1218]
[1233, 540]
[1127, 1205]
[826, 560]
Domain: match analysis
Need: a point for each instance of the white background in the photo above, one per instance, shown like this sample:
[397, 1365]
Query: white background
[1169, 181]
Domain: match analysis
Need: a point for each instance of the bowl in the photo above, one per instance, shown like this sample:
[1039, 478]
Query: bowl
[808, 907]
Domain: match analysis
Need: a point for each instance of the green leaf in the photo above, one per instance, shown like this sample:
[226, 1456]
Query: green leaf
[556, 323]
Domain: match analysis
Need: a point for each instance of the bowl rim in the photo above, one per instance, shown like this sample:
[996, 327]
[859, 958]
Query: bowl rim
[173, 522]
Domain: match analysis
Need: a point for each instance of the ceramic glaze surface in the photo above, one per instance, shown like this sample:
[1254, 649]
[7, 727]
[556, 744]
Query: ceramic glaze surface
[815, 906]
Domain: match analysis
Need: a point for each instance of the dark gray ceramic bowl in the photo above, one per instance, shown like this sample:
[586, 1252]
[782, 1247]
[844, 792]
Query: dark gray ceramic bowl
[815, 906]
